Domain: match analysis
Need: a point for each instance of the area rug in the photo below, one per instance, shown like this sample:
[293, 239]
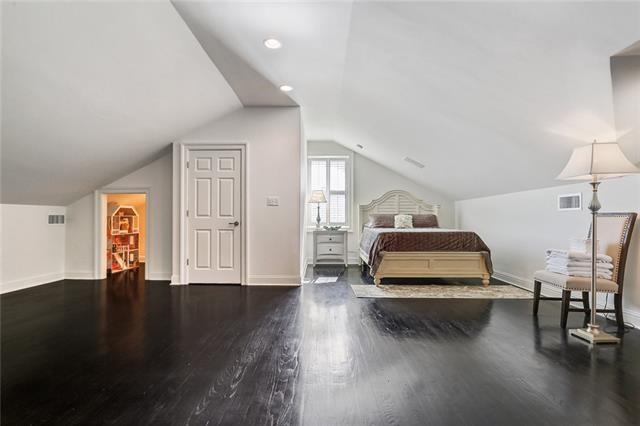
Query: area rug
[325, 280]
[451, 291]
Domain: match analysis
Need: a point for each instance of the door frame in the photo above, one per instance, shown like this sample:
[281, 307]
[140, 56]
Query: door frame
[183, 190]
[100, 226]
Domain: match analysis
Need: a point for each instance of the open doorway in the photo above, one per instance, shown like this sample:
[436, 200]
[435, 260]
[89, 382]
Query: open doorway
[122, 233]
[126, 232]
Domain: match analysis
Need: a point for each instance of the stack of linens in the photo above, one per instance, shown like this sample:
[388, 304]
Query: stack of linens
[578, 264]
[582, 245]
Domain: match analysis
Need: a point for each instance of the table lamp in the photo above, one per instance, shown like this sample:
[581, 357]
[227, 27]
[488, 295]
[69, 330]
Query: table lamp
[319, 198]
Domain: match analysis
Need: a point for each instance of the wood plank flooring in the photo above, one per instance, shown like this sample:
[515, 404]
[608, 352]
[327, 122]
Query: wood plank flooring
[135, 352]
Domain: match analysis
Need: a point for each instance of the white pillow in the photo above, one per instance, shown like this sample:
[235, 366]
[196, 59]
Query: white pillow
[403, 221]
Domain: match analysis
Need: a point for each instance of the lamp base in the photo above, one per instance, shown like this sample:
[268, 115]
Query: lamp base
[594, 335]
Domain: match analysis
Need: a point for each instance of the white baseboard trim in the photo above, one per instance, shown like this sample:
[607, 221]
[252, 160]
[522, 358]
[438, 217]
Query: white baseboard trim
[274, 284]
[307, 262]
[14, 285]
[159, 276]
[79, 275]
[280, 280]
[630, 315]
[175, 280]
[515, 280]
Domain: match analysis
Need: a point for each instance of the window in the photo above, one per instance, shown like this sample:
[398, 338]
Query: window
[330, 174]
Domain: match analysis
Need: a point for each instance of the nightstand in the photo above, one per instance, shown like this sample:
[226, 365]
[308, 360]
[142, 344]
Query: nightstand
[329, 247]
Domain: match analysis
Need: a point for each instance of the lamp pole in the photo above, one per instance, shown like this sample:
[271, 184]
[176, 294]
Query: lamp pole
[594, 206]
[592, 333]
[318, 217]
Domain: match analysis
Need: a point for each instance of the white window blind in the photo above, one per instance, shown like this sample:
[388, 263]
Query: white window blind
[331, 176]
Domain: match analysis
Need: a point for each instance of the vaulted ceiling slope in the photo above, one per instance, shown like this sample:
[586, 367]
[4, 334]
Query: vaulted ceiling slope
[491, 97]
[92, 90]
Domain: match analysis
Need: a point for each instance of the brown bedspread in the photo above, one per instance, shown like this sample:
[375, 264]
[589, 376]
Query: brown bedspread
[375, 241]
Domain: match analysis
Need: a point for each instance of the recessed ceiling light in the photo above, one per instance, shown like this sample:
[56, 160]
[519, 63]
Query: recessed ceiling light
[272, 43]
[286, 88]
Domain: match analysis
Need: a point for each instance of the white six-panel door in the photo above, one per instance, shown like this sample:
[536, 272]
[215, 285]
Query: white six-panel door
[214, 203]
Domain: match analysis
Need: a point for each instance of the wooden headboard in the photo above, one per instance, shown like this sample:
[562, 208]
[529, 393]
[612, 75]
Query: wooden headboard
[395, 202]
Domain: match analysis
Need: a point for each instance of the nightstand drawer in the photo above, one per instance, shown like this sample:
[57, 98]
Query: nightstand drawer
[329, 248]
[330, 238]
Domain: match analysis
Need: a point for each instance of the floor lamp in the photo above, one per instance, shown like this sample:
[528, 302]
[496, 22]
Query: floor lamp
[596, 162]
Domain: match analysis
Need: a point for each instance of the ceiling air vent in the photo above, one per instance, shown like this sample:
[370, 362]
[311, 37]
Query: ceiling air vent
[56, 219]
[414, 162]
[570, 202]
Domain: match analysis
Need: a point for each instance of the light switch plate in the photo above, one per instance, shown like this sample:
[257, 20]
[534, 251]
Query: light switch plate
[273, 201]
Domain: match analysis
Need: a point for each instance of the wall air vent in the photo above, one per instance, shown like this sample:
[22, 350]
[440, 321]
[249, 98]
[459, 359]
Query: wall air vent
[414, 162]
[570, 202]
[56, 219]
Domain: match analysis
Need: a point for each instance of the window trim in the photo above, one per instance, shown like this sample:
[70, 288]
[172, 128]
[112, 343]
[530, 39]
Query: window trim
[348, 188]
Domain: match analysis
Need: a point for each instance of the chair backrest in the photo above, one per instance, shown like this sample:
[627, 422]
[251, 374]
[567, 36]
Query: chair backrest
[614, 235]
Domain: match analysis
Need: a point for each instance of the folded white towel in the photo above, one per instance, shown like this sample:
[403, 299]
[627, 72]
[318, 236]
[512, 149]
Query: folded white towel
[563, 261]
[584, 275]
[581, 245]
[576, 255]
[579, 272]
[571, 270]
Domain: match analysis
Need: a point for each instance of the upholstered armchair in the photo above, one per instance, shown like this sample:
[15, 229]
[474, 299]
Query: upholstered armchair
[614, 236]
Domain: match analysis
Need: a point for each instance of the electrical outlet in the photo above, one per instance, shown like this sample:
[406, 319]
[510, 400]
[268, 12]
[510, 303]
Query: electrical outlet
[273, 201]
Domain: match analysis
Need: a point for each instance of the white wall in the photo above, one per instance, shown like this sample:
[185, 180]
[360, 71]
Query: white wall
[518, 227]
[273, 139]
[32, 251]
[79, 239]
[272, 136]
[370, 181]
[157, 177]
[303, 202]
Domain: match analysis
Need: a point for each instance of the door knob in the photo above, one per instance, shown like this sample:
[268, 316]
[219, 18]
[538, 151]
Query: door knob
[236, 223]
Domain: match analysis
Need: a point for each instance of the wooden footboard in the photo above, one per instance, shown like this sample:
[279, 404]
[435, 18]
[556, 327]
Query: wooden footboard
[436, 264]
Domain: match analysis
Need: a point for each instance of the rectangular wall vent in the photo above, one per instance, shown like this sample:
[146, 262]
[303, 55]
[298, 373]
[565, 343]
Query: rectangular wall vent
[414, 162]
[570, 202]
[56, 219]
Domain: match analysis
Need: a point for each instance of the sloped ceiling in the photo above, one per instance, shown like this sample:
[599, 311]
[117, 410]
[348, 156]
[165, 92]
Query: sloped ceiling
[491, 97]
[625, 74]
[93, 90]
[252, 88]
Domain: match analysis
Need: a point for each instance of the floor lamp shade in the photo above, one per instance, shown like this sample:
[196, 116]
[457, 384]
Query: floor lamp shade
[597, 161]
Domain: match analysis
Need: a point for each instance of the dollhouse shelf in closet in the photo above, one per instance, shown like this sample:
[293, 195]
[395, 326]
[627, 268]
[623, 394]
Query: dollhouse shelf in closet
[123, 237]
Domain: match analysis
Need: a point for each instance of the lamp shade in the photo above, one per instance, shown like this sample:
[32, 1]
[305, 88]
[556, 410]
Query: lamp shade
[317, 197]
[597, 161]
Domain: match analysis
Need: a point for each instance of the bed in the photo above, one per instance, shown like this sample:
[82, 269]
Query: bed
[419, 252]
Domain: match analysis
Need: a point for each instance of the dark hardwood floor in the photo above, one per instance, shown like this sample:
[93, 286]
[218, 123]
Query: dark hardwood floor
[130, 352]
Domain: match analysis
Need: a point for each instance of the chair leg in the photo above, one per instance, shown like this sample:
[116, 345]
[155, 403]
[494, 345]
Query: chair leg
[617, 302]
[536, 296]
[566, 299]
[585, 303]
